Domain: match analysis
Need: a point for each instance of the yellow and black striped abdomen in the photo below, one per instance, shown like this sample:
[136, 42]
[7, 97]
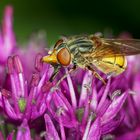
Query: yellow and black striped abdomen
[115, 65]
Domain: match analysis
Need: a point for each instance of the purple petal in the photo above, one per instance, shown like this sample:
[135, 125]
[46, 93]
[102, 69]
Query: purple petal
[1, 104]
[85, 88]
[51, 132]
[10, 136]
[60, 107]
[131, 110]
[43, 86]
[94, 100]
[42, 108]
[112, 124]
[87, 129]
[114, 108]
[29, 106]
[62, 130]
[23, 131]
[36, 111]
[104, 108]
[9, 110]
[95, 130]
[136, 89]
[20, 82]
[131, 135]
[103, 98]
[85, 113]
[45, 77]
[72, 92]
[15, 84]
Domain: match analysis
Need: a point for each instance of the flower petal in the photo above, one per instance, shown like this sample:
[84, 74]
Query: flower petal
[112, 124]
[95, 130]
[85, 88]
[72, 92]
[114, 108]
[51, 132]
[10, 136]
[87, 129]
[1, 104]
[9, 110]
[23, 131]
[103, 98]
[60, 107]
[94, 100]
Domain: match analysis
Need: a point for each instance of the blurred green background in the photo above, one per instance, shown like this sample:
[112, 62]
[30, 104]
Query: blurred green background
[61, 17]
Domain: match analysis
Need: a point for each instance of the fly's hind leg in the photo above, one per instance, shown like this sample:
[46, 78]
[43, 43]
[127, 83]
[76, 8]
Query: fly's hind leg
[96, 74]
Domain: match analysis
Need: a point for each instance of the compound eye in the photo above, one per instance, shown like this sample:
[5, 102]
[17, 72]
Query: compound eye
[64, 57]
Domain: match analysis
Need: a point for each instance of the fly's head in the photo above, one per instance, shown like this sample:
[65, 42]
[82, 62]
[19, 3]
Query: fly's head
[60, 55]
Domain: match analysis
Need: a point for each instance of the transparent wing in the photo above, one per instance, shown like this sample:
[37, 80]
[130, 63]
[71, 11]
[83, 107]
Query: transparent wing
[111, 47]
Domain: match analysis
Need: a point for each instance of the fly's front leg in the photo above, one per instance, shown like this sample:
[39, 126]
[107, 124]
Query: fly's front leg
[96, 74]
[56, 70]
[65, 75]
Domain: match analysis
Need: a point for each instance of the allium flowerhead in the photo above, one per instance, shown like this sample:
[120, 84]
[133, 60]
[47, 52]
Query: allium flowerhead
[24, 100]
[88, 110]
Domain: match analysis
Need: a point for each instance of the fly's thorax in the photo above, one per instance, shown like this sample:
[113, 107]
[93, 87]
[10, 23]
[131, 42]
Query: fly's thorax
[80, 45]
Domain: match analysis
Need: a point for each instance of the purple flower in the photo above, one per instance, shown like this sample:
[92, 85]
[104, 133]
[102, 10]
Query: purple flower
[85, 111]
[23, 100]
[24, 131]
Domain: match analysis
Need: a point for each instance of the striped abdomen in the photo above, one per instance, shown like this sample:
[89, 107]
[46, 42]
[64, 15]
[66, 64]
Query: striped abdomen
[115, 65]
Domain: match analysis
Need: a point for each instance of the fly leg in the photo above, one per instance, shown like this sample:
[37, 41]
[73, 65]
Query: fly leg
[65, 75]
[96, 74]
[56, 70]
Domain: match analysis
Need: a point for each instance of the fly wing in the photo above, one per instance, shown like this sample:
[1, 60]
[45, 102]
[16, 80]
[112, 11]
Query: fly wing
[117, 47]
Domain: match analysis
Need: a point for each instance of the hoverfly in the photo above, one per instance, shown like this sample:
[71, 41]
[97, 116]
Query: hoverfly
[92, 52]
